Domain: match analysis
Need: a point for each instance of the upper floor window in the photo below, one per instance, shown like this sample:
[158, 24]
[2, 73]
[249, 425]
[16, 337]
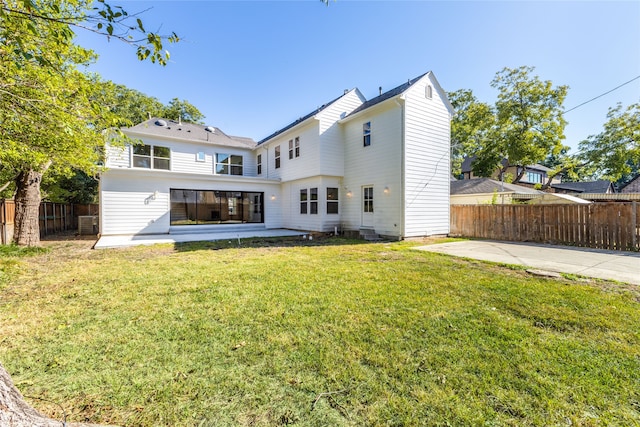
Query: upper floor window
[151, 157]
[366, 134]
[227, 164]
[294, 147]
[428, 92]
[259, 162]
[534, 177]
[277, 157]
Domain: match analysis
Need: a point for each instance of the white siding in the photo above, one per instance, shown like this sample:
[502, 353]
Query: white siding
[322, 221]
[379, 165]
[331, 143]
[427, 162]
[128, 206]
[183, 156]
[299, 167]
[117, 157]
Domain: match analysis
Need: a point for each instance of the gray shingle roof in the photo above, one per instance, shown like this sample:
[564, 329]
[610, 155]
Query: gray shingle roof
[387, 95]
[599, 186]
[487, 185]
[190, 132]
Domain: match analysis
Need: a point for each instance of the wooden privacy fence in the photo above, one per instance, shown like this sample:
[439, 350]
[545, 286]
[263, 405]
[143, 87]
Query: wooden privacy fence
[599, 225]
[53, 218]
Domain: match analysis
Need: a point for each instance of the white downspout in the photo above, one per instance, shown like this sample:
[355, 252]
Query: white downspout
[403, 191]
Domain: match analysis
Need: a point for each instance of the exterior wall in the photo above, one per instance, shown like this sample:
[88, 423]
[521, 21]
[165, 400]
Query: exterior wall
[308, 164]
[331, 144]
[128, 204]
[322, 221]
[427, 166]
[183, 156]
[377, 165]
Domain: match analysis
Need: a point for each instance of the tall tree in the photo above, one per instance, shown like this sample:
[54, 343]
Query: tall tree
[524, 126]
[182, 110]
[51, 117]
[614, 153]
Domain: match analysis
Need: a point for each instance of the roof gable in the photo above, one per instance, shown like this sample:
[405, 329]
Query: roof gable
[304, 118]
[399, 90]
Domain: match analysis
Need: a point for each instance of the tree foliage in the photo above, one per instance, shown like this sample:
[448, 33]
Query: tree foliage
[51, 115]
[524, 126]
[615, 152]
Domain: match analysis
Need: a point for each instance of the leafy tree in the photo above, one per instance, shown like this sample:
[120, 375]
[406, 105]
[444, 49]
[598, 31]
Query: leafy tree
[469, 126]
[182, 110]
[615, 152]
[524, 126]
[51, 115]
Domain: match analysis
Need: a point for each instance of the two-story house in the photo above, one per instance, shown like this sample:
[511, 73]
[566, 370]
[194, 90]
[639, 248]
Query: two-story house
[381, 164]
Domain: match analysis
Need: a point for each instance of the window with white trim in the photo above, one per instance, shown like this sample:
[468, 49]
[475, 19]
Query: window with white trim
[259, 163]
[277, 157]
[151, 157]
[304, 200]
[290, 149]
[296, 146]
[332, 200]
[534, 177]
[228, 164]
[313, 204]
[366, 134]
[428, 92]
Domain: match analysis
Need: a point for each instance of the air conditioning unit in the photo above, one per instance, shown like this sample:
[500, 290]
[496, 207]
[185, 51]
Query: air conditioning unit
[87, 225]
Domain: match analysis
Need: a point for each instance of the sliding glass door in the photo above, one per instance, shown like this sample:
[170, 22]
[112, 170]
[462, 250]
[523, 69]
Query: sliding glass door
[192, 207]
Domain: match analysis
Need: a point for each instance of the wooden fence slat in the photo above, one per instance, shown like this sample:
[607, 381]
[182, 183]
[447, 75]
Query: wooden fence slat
[606, 226]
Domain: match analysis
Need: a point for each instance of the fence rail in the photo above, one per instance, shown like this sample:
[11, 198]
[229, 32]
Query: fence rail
[53, 218]
[612, 226]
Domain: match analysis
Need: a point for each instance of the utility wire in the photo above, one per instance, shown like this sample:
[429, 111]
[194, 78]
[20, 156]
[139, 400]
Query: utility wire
[601, 95]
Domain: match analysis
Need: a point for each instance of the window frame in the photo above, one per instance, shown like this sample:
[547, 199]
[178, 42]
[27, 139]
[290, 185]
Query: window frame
[304, 201]
[313, 201]
[152, 157]
[333, 202]
[290, 149]
[259, 164]
[277, 157]
[229, 164]
[366, 134]
[296, 146]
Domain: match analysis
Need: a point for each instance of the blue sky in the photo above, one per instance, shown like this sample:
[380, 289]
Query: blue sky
[252, 67]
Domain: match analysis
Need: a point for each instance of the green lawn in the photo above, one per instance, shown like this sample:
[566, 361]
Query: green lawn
[326, 333]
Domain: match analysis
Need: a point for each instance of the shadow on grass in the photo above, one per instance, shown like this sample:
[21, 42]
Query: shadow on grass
[266, 242]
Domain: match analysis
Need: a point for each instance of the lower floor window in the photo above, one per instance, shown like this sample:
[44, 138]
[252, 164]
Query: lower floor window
[332, 200]
[191, 207]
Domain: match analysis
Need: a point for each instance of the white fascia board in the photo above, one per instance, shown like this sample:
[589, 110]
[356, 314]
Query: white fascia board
[281, 135]
[399, 97]
[158, 173]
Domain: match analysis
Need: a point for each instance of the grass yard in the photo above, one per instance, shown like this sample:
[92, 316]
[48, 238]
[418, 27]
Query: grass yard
[325, 333]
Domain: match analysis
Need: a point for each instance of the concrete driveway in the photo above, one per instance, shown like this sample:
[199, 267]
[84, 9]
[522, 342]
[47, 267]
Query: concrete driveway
[601, 264]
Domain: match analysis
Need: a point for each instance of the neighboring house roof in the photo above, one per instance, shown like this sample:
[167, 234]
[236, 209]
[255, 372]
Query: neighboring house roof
[487, 185]
[599, 186]
[188, 131]
[632, 180]
[467, 162]
[302, 119]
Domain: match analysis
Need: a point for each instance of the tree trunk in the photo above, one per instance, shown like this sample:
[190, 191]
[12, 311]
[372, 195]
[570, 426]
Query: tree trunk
[15, 412]
[27, 225]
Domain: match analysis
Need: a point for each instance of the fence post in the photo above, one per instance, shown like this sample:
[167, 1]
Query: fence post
[634, 226]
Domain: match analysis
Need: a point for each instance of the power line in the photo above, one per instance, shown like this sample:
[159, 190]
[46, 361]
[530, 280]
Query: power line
[601, 95]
